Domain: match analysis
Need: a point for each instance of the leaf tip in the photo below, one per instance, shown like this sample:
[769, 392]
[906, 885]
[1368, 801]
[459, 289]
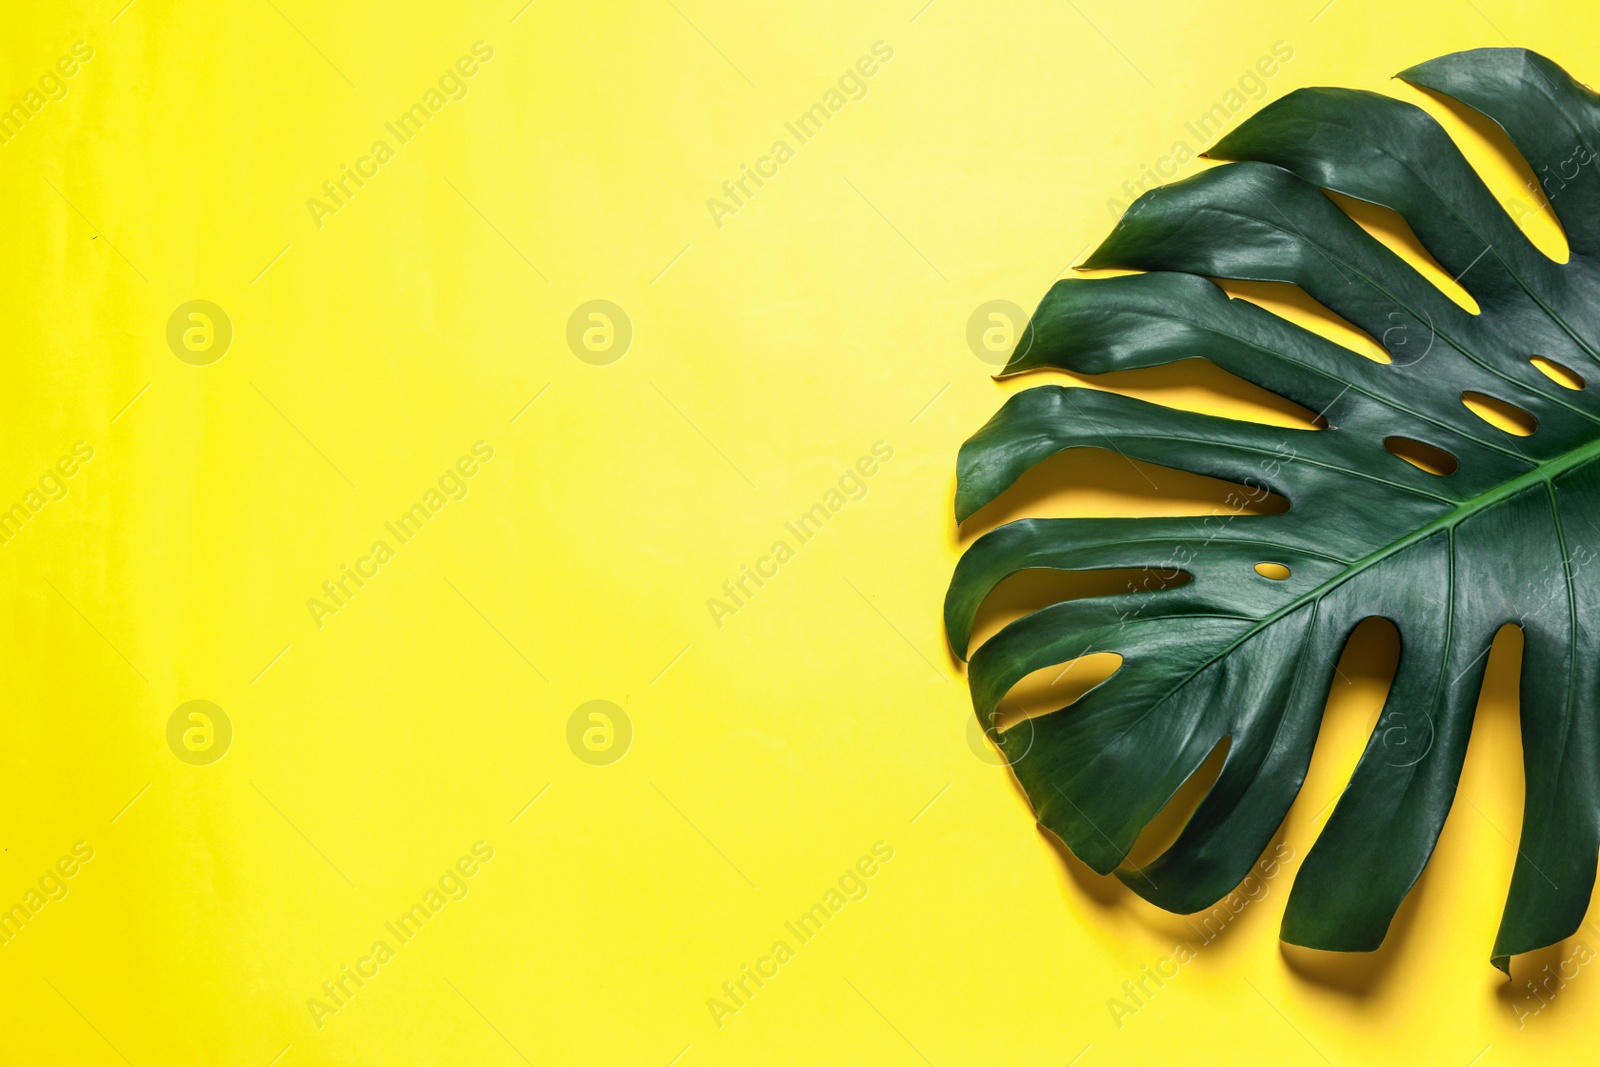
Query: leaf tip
[1099, 259]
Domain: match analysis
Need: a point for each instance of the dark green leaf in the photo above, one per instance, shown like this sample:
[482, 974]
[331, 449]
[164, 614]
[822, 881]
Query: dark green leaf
[1511, 536]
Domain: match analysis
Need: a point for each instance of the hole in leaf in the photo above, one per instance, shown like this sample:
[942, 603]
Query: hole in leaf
[1501, 414]
[1054, 687]
[1298, 306]
[1422, 455]
[1503, 169]
[1095, 481]
[1361, 683]
[1197, 384]
[1025, 592]
[1161, 832]
[1565, 377]
[1390, 229]
[1276, 571]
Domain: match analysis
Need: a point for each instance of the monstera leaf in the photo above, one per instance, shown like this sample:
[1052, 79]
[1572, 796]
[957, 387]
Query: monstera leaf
[1510, 536]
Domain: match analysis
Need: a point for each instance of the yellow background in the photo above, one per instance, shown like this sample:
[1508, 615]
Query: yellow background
[769, 753]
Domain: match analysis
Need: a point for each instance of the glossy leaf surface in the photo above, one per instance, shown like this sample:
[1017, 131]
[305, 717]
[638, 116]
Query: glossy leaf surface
[1512, 535]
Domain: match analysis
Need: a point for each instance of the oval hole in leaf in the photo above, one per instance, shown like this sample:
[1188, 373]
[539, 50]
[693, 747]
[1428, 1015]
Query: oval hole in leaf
[1501, 414]
[1025, 592]
[1565, 377]
[1420, 454]
[1054, 687]
[1276, 571]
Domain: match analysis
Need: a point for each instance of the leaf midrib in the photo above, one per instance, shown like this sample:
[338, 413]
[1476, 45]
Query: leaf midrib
[1545, 472]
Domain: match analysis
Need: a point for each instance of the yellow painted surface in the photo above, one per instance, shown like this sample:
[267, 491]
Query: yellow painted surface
[416, 340]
